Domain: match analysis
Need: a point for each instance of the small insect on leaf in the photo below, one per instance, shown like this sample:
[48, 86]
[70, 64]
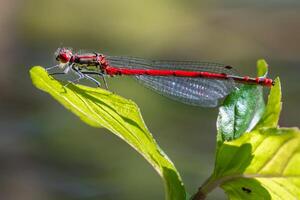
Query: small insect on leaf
[247, 190]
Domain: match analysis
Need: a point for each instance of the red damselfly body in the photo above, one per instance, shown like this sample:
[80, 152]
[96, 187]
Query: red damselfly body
[195, 83]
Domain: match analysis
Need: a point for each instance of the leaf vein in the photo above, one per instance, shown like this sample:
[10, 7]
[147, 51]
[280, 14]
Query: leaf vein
[274, 155]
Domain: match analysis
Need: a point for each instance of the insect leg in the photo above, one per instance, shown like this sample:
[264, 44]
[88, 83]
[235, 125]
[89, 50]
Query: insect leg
[55, 66]
[92, 79]
[100, 74]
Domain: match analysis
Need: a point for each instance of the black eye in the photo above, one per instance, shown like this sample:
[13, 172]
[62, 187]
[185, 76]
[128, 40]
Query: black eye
[57, 58]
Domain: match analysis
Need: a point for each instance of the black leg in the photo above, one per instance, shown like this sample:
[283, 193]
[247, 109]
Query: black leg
[100, 74]
[78, 73]
[92, 79]
[85, 75]
[105, 83]
[55, 66]
[57, 73]
[64, 72]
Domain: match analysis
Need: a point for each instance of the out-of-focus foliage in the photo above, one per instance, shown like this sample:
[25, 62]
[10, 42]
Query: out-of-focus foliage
[48, 153]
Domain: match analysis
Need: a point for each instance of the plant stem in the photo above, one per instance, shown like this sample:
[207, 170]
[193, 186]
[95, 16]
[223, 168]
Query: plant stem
[205, 188]
[210, 184]
[213, 182]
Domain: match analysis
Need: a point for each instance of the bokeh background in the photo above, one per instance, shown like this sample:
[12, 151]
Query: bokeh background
[48, 153]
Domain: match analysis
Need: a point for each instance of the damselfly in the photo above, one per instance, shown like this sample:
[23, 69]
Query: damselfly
[195, 83]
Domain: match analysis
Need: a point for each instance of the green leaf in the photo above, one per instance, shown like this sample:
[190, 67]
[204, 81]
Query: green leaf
[240, 112]
[272, 112]
[101, 108]
[263, 164]
[262, 68]
[242, 109]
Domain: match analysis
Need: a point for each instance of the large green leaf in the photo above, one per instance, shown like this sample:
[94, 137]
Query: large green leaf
[101, 108]
[263, 164]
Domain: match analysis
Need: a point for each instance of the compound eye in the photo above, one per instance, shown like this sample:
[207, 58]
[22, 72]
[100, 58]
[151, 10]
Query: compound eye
[64, 57]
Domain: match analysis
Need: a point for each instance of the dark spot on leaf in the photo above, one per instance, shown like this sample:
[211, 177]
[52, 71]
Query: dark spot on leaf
[247, 190]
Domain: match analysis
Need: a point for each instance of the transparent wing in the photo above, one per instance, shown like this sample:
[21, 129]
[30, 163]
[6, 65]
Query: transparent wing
[194, 91]
[198, 92]
[136, 63]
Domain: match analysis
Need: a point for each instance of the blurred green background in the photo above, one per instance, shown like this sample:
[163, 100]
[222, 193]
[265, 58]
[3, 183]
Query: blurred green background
[48, 153]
